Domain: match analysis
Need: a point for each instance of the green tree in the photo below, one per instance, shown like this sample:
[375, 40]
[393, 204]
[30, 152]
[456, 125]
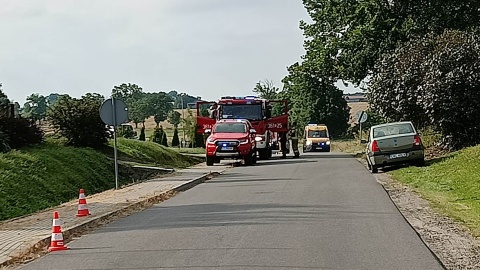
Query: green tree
[36, 107]
[199, 140]
[266, 89]
[435, 82]
[138, 110]
[190, 125]
[78, 120]
[127, 91]
[174, 118]
[4, 103]
[142, 134]
[160, 104]
[314, 99]
[157, 135]
[4, 143]
[165, 140]
[52, 98]
[175, 139]
[347, 38]
[185, 98]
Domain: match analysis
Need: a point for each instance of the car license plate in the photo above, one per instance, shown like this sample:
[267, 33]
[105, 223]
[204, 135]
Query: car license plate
[394, 156]
[227, 148]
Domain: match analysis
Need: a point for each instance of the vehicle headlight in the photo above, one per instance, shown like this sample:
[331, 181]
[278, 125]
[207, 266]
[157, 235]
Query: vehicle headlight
[328, 142]
[309, 143]
[258, 139]
[244, 141]
[210, 140]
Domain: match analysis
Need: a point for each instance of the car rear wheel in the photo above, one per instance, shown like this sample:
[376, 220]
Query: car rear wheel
[210, 161]
[419, 163]
[372, 168]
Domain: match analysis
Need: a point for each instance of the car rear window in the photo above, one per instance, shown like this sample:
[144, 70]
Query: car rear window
[395, 129]
[231, 128]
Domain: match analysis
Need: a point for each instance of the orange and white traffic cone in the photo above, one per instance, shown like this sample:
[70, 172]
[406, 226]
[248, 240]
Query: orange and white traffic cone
[82, 205]
[56, 241]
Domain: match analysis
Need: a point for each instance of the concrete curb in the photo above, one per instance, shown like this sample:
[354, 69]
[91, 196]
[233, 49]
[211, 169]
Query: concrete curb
[39, 248]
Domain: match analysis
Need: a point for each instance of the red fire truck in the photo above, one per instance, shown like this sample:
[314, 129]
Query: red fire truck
[258, 111]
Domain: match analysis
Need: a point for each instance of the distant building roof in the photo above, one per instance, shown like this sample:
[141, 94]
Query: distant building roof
[356, 97]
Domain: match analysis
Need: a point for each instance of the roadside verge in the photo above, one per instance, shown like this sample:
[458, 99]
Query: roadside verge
[27, 238]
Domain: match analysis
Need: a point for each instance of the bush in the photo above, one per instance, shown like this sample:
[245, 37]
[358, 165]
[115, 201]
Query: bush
[175, 139]
[433, 81]
[142, 134]
[78, 120]
[20, 132]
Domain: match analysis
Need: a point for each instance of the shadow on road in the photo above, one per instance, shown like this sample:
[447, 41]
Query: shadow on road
[215, 215]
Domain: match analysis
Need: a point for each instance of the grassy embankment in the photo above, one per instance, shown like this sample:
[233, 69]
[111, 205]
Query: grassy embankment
[451, 184]
[36, 178]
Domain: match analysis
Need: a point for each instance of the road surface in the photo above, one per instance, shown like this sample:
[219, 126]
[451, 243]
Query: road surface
[322, 211]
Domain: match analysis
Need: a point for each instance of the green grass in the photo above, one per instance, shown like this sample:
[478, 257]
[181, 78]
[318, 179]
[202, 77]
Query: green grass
[347, 146]
[189, 150]
[451, 184]
[153, 153]
[39, 177]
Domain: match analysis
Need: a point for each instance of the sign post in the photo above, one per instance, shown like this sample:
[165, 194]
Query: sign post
[361, 118]
[114, 112]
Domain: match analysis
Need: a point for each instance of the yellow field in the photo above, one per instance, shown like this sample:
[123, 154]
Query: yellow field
[354, 108]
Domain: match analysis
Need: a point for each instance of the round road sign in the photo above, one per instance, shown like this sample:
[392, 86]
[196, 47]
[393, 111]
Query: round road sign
[361, 116]
[114, 114]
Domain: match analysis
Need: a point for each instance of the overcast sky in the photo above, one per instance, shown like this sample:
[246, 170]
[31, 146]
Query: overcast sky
[206, 48]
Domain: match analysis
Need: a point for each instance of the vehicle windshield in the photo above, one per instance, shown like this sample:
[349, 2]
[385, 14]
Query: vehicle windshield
[250, 112]
[389, 130]
[317, 134]
[230, 128]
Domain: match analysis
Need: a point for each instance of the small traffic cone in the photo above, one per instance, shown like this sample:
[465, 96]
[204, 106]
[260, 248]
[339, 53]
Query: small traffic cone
[82, 205]
[56, 242]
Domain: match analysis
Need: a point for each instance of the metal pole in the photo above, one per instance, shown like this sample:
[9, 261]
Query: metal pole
[360, 120]
[360, 131]
[183, 123]
[115, 141]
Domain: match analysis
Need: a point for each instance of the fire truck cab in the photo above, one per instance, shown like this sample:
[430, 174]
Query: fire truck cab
[256, 110]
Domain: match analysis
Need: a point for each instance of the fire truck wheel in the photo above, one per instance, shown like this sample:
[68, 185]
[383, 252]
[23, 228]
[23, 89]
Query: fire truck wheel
[209, 161]
[263, 153]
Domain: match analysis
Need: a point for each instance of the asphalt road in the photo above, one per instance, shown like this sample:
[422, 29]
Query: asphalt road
[322, 211]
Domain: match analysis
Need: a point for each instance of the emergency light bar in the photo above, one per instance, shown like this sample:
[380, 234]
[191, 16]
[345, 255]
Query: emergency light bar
[239, 98]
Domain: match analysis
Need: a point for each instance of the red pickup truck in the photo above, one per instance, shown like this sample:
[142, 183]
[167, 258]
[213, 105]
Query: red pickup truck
[231, 139]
